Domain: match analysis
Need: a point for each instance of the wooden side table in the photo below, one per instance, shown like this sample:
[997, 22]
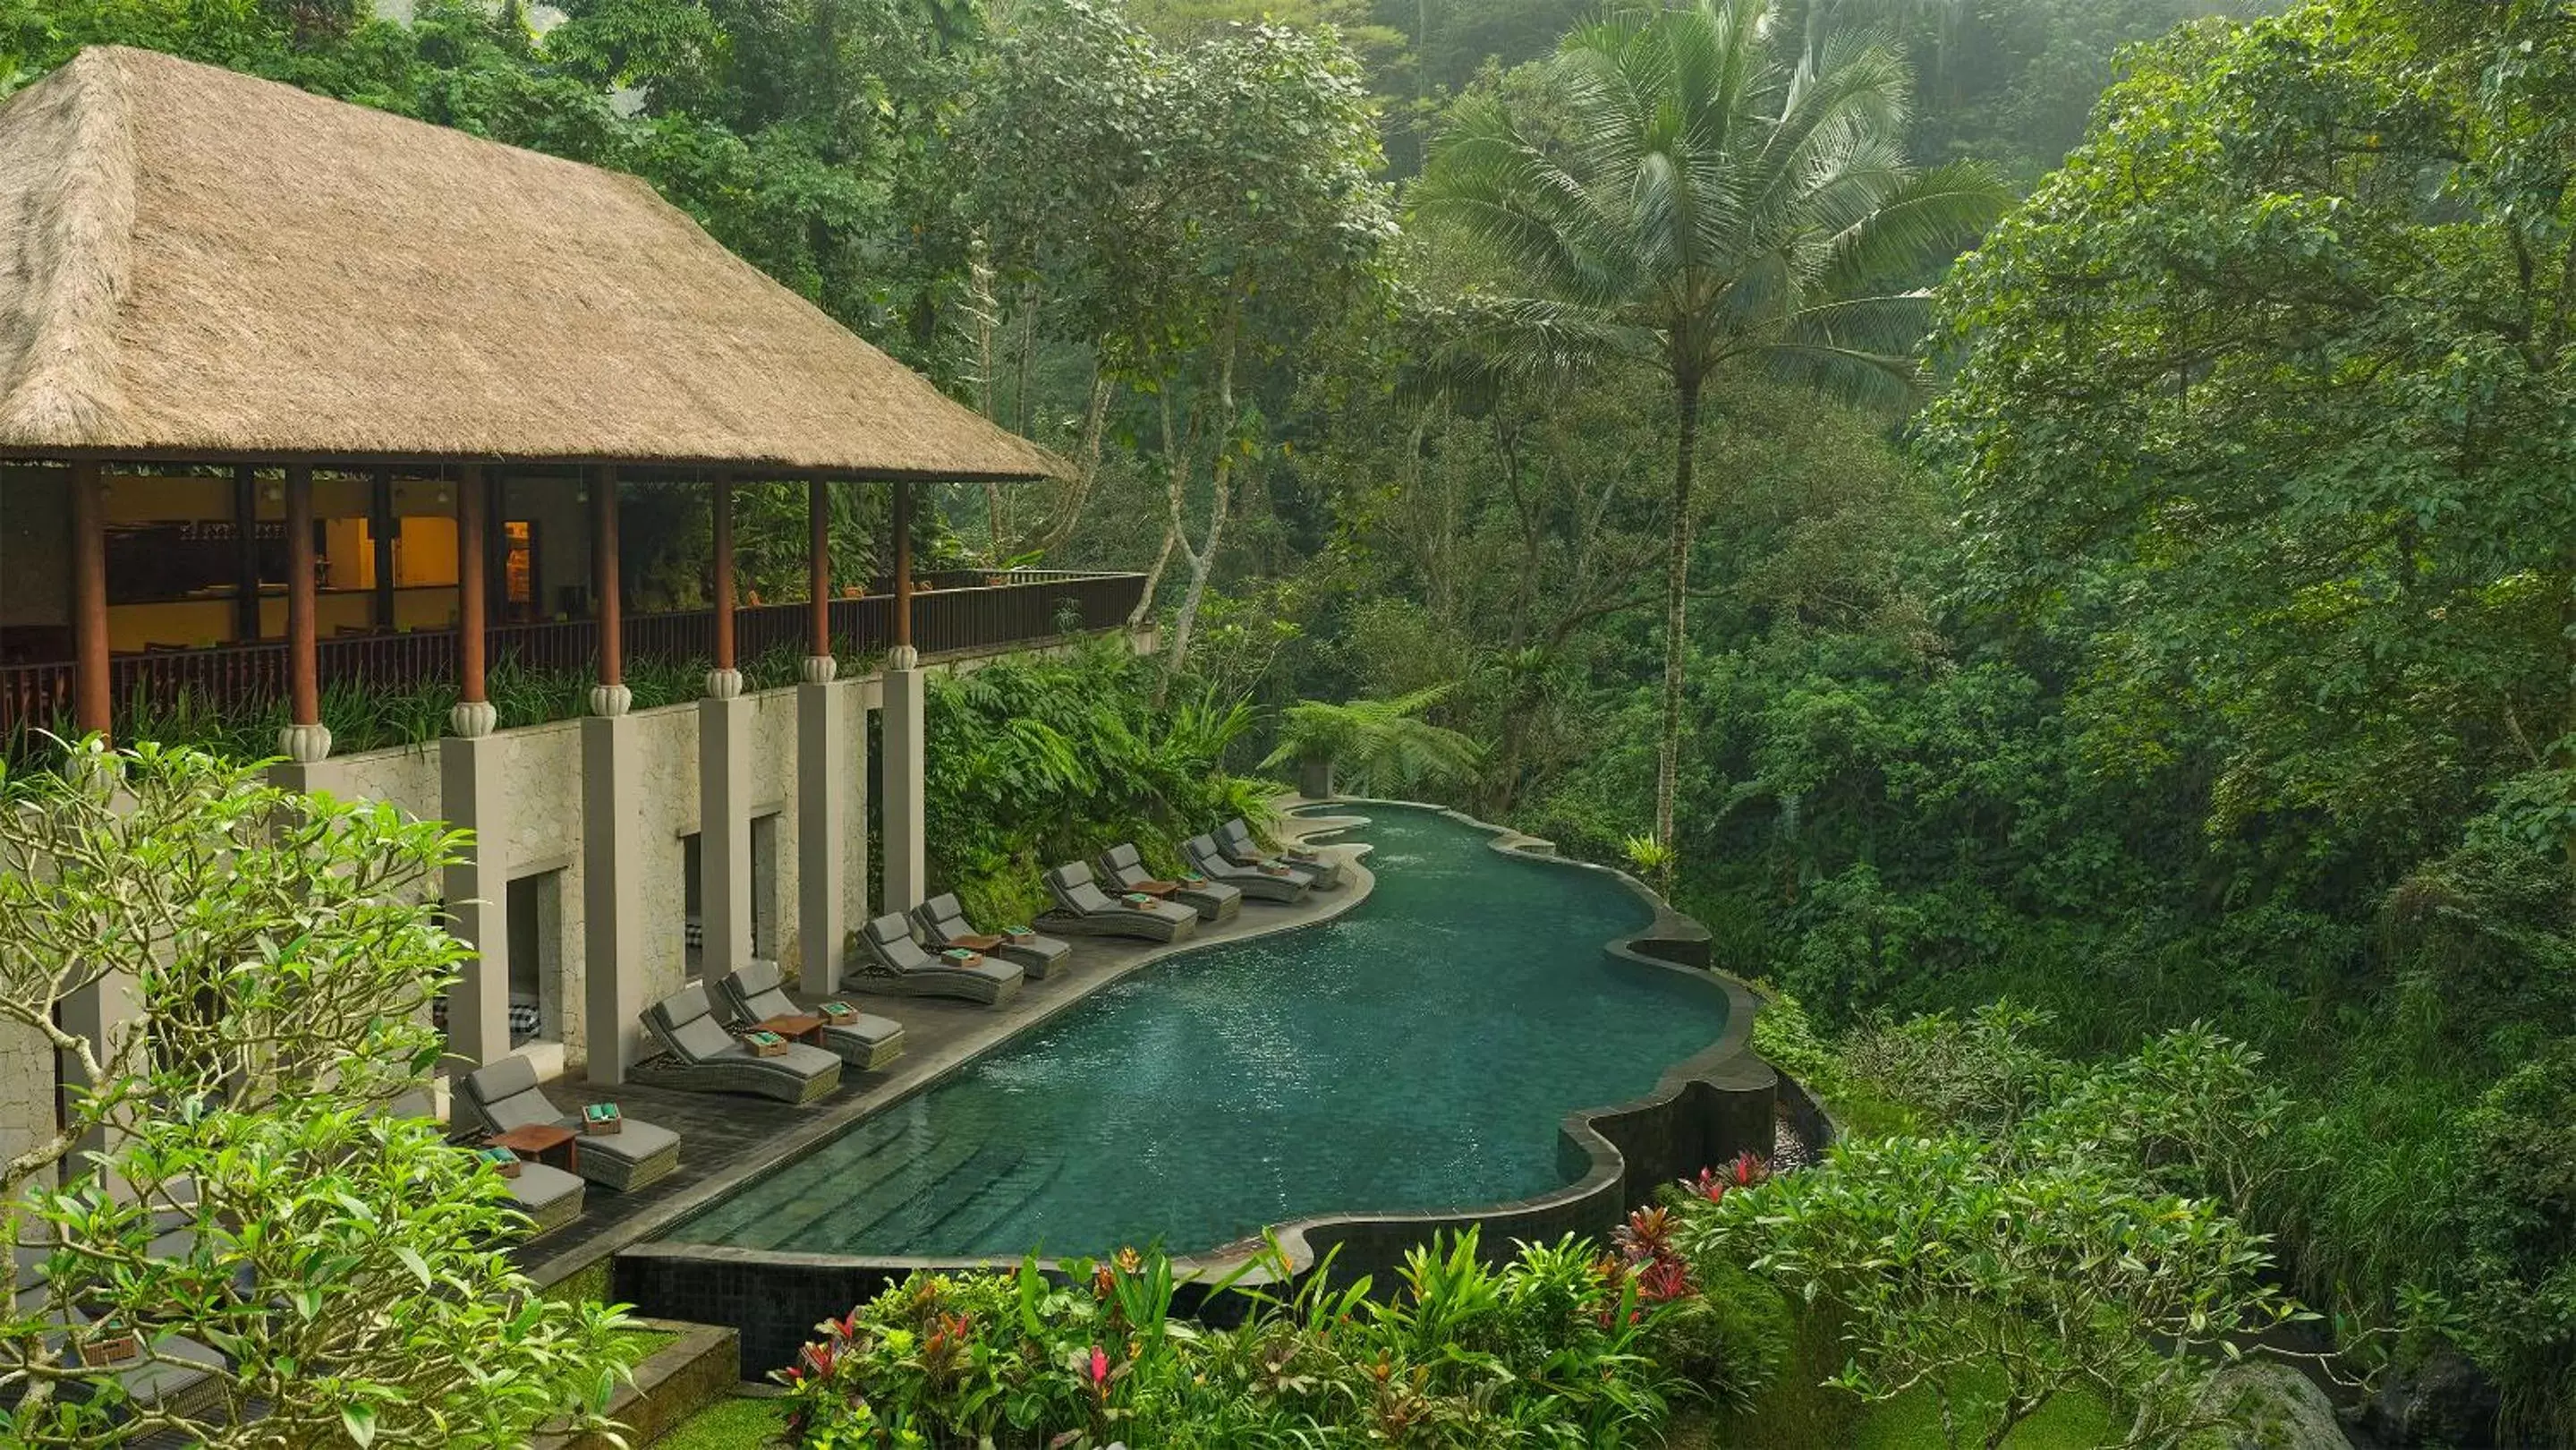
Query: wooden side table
[535, 1141]
[979, 942]
[803, 1027]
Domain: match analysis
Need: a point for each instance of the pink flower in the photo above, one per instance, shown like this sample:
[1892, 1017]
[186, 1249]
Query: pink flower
[1099, 1366]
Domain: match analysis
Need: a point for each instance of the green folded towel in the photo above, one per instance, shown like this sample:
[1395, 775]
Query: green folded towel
[958, 954]
[1137, 898]
[1018, 931]
[600, 1113]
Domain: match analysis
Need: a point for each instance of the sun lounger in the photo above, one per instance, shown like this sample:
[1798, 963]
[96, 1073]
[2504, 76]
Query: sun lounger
[700, 1054]
[504, 1095]
[1122, 868]
[168, 1370]
[751, 996]
[549, 1196]
[890, 960]
[942, 923]
[1234, 838]
[1083, 909]
[1271, 882]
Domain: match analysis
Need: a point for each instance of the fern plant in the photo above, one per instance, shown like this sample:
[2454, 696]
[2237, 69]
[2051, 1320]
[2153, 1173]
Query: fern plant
[1385, 746]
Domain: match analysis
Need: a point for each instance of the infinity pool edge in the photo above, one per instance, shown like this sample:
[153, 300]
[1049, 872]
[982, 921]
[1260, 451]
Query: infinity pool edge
[1703, 1109]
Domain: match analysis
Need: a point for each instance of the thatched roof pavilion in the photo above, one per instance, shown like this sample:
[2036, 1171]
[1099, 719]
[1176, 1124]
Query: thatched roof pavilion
[200, 265]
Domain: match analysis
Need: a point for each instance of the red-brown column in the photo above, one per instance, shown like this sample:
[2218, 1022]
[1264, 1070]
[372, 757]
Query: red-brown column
[721, 506]
[818, 569]
[603, 573]
[473, 716]
[91, 708]
[903, 573]
[304, 741]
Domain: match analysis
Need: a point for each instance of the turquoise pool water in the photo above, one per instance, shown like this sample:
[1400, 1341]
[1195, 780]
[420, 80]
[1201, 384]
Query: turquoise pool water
[1415, 1054]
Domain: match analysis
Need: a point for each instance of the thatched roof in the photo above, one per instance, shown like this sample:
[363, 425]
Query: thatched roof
[199, 264]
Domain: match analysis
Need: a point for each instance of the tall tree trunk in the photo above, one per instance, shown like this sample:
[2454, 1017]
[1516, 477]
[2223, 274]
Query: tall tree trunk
[1676, 604]
[983, 305]
[1095, 422]
[1220, 502]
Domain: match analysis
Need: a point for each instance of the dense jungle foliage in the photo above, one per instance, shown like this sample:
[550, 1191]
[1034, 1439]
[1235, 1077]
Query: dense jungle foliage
[2190, 638]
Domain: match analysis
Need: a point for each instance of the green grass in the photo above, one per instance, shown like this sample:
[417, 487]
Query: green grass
[740, 1424]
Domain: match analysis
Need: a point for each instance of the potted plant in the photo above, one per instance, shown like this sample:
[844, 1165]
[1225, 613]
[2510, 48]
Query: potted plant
[1386, 745]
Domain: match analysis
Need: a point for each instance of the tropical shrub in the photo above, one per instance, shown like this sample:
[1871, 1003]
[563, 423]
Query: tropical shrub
[2521, 1284]
[2000, 1287]
[1035, 762]
[1542, 1351]
[278, 954]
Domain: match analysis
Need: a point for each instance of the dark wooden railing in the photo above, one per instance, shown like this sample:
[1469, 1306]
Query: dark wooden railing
[961, 611]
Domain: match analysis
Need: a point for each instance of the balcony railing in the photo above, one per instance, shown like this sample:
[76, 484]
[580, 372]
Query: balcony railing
[962, 612]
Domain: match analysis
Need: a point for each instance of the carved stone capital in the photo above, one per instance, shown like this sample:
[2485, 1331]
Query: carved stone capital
[821, 669]
[305, 744]
[903, 657]
[473, 719]
[611, 701]
[724, 684]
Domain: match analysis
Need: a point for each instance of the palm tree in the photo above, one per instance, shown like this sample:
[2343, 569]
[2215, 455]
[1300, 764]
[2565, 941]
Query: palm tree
[1704, 199]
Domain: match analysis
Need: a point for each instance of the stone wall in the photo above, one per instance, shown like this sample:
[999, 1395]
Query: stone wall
[540, 829]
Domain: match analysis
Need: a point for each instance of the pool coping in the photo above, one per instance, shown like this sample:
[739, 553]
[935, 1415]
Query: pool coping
[1724, 1088]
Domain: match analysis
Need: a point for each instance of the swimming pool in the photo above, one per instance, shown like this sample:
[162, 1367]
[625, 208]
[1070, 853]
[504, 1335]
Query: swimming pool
[1415, 1054]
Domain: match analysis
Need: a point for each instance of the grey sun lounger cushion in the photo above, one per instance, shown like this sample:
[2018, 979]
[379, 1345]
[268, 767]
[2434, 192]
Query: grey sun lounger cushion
[547, 1195]
[1234, 838]
[701, 1054]
[1283, 884]
[752, 995]
[1122, 868]
[890, 960]
[504, 1095]
[1083, 909]
[942, 921]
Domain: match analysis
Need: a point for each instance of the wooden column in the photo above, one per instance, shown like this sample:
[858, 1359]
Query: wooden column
[903, 570]
[381, 527]
[304, 685]
[303, 741]
[472, 620]
[603, 574]
[91, 706]
[720, 505]
[818, 569]
[246, 625]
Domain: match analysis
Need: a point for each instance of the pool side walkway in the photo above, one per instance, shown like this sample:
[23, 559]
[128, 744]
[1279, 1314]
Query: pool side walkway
[728, 1137]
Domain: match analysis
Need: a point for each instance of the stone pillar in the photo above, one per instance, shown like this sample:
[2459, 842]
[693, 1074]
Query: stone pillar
[822, 822]
[907, 876]
[724, 826]
[471, 796]
[612, 917]
[612, 847]
[108, 1012]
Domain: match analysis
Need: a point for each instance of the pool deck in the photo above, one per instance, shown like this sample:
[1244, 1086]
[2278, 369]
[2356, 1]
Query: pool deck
[726, 1138]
